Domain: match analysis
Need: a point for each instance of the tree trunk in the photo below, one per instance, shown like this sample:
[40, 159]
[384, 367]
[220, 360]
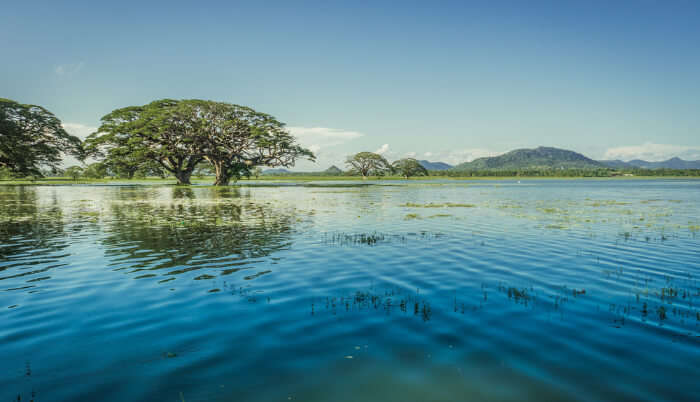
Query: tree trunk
[223, 177]
[222, 180]
[183, 177]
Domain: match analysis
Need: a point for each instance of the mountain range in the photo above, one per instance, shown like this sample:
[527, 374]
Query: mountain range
[435, 165]
[538, 158]
[673, 163]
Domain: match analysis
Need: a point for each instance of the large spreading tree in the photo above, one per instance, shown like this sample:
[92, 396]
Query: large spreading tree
[237, 138]
[368, 163]
[161, 131]
[179, 134]
[32, 138]
[408, 167]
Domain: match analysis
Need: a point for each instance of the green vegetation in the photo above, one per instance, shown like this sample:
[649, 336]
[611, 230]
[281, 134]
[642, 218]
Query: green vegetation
[32, 138]
[368, 163]
[201, 138]
[409, 167]
[179, 134]
[74, 172]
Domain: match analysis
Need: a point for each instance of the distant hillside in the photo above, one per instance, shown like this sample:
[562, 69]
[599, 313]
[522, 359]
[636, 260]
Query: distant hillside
[538, 158]
[673, 163]
[616, 164]
[435, 165]
[278, 171]
[333, 171]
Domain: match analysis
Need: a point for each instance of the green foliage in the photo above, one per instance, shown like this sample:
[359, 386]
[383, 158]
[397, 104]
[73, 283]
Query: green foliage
[235, 139]
[95, 170]
[368, 163]
[32, 138]
[409, 167]
[160, 131]
[74, 172]
[179, 134]
[6, 173]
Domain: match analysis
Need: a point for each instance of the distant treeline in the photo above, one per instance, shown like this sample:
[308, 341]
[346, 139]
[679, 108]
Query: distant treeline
[566, 172]
[525, 173]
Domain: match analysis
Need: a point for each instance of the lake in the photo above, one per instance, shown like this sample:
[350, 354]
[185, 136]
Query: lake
[428, 291]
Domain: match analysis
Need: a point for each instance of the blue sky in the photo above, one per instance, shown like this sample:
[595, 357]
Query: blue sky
[446, 81]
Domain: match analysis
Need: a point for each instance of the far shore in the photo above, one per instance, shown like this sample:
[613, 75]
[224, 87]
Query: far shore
[207, 180]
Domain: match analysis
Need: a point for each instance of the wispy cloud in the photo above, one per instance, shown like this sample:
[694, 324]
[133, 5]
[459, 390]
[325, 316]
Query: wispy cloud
[68, 69]
[653, 152]
[457, 156]
[318, 138]
[79, 130]
[382, 150]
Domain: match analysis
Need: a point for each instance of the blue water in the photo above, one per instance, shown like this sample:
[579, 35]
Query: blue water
[428, 291]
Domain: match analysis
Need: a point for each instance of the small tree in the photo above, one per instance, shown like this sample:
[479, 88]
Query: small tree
[74, 172]
[408, 167]
[257, 172]
[95, 170]
[368, 163]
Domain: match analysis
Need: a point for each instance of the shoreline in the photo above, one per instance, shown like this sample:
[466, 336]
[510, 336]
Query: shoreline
[208, 181]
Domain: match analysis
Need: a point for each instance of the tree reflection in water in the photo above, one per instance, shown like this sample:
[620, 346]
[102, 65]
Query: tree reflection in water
[217, 229]
[32, 237]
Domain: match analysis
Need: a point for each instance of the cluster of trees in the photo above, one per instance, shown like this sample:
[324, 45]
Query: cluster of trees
[32, 140]
[196, 137]
[371, 164]
[178, 135]
[167, 136]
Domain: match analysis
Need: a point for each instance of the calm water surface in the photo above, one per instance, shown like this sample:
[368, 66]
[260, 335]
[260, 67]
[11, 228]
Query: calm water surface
[434, 291]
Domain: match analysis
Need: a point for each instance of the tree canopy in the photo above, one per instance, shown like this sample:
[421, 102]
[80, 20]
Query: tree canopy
[237, 138]
[179, 134]
[408, 167]
[74, 172]
[368, 163]
[160, 131]
[32, 138]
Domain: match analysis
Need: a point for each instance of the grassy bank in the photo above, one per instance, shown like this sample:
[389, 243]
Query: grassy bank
[305, 178]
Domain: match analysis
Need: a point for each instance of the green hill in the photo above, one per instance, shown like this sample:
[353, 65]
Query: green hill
[538, 158]
[333, 171]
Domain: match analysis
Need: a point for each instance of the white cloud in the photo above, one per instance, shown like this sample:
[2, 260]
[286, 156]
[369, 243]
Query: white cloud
[79, 130]
[382, 150]
[457, 156]
[653, 152]
[323, 136]
[322, 142]
[68, 69]
[410, 154]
